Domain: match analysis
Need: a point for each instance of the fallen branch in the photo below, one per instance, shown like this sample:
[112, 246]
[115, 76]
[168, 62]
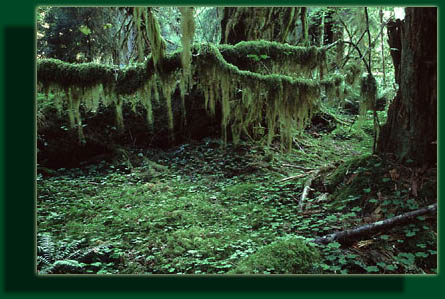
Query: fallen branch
[298, 167]
[298, 176]
[307, 188]
[369, 229]
[338, 120]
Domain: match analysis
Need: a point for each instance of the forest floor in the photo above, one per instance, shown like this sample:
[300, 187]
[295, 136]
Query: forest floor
[202, 208]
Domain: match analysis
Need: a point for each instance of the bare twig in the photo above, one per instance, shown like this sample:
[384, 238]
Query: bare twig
[298, 176]
[298, 167]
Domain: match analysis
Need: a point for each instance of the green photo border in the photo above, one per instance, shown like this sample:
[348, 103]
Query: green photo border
[17, 189]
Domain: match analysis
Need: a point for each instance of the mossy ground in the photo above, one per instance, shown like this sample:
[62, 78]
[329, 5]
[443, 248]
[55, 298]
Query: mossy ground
[202, 208]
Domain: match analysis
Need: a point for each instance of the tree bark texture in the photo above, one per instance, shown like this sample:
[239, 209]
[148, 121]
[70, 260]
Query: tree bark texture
[411, 128]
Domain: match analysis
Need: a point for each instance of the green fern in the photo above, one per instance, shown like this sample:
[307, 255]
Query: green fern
[63, 257]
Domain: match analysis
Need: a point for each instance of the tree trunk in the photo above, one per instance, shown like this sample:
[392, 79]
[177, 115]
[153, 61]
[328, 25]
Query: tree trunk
[411, 128]
[383, 48]
[254, 23]
[305, 27]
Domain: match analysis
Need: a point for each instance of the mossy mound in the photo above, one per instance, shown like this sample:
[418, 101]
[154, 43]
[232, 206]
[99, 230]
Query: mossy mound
[353, 182]
[286, 256]
[378, 181]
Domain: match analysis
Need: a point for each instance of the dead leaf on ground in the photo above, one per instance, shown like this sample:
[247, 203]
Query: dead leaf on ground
[377, 213]
[363, 243]
[394, 174]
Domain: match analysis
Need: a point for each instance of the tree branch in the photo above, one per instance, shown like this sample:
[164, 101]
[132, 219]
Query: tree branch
[371, 228]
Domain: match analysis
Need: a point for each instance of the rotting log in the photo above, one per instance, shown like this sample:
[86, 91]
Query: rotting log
[350, 235]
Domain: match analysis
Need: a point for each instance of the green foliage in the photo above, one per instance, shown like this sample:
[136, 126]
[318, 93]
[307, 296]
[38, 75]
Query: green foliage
[257, 58]
[84, 29]
[73, 257]
[76, 34]
[204, 209]
[289, 255]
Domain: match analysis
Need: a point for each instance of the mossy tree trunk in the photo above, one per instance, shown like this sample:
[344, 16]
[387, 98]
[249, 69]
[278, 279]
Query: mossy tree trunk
[411, 129]
[254, 23]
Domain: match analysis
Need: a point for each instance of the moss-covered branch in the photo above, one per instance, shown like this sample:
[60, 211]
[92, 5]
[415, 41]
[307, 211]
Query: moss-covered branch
[283, 101]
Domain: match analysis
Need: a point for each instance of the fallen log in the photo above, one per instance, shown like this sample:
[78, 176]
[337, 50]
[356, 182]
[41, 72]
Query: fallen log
[368, 229]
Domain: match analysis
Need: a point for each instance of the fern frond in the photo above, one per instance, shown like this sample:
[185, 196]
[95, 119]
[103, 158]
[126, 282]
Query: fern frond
[47, 247]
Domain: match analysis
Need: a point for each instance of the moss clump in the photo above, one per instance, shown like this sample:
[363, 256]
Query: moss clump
[131, 79]
[286, 256]
[357, 180]
[56, 72]
[292, 58]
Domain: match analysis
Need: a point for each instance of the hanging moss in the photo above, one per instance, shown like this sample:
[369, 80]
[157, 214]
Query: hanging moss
[93, 97]
[288, 102]
[73, 96]
[334, 86]
[119, 117]
[145, 98]
[252, 104]
[157, 43]
[353, 72]
[168, 87]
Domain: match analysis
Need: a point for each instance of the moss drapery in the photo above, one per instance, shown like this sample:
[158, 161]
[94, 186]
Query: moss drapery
[248, 99]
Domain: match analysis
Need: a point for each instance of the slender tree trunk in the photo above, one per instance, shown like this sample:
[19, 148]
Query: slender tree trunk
[322, 29]
[411, 129]
[305, 26]
[383, 48]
